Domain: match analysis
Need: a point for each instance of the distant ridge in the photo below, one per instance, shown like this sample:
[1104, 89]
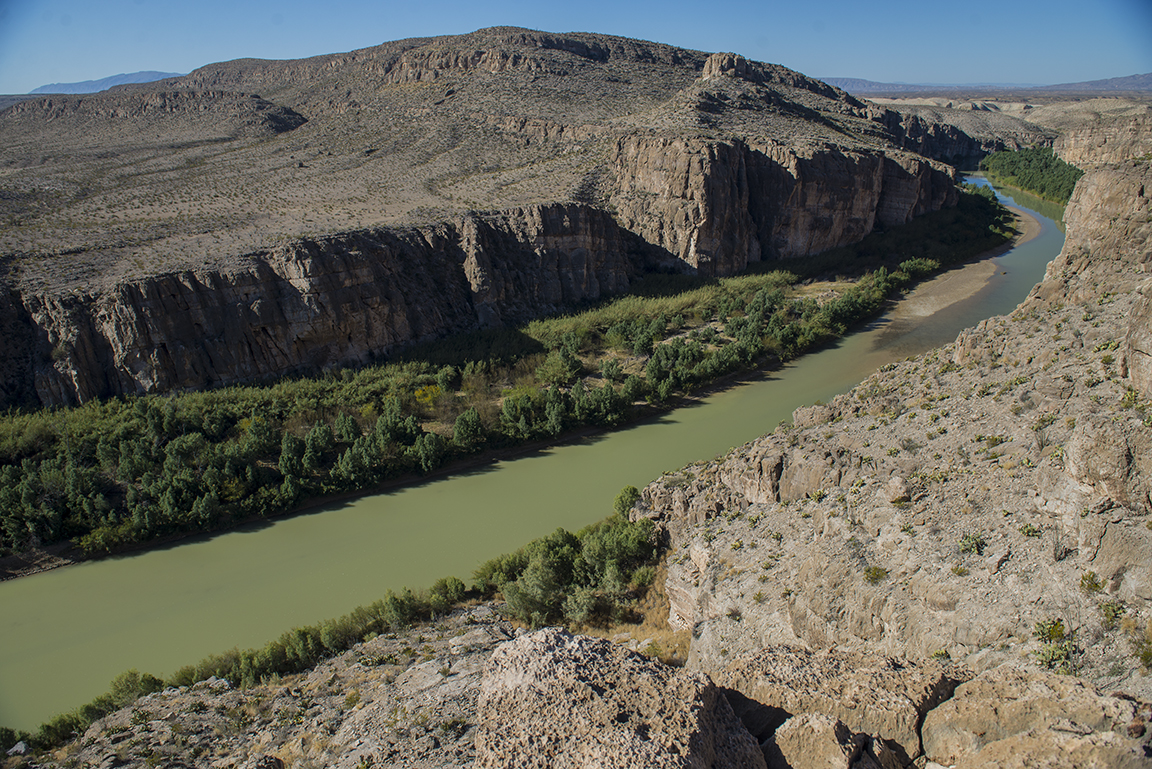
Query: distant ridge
[94, 86]
[1129, 84]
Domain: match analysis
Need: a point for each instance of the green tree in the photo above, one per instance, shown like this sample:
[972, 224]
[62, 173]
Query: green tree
[628, 496]
[468, 432]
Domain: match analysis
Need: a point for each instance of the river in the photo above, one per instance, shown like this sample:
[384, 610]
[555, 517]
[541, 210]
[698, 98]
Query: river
[68, 632]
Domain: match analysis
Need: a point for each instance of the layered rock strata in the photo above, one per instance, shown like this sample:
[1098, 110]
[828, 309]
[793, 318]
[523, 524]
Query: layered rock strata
[311, 305]
[1106, 141]
[716, 207]
[684, 204]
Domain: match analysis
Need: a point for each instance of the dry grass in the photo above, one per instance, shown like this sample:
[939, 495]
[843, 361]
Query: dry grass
[649, 626]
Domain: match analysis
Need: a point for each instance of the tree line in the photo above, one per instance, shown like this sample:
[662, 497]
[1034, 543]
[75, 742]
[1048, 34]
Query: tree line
[1036, 170]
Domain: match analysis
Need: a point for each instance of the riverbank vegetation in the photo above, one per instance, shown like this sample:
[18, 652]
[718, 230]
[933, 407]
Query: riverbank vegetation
[1035, 170]
[592, 577]
[118, 473]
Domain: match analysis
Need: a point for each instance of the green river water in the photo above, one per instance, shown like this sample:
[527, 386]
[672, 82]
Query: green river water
[68, 632]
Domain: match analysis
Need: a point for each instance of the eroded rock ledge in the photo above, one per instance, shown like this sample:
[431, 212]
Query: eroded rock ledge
[472, 691]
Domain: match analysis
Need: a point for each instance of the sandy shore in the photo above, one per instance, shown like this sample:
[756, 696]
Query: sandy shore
[962, 282]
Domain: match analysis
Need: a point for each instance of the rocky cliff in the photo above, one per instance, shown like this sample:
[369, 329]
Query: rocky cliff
[961, 137]
[953, 501]
[333, 219]
[718, 207]
[1107, 140]
[312, 304]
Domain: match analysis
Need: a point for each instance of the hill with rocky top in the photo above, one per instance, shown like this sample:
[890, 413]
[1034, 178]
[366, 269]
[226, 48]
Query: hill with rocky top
[132, 220]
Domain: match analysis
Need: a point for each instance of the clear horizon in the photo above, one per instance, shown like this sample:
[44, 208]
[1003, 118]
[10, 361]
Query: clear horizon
[984, 42]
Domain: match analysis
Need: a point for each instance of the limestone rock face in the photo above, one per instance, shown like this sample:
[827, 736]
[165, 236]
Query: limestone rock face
[1009, 717]
[310, 305]
[718, 206]
[1106, 141]
[960, 137]
[1139, 344]
[550, 699]
[869, 694]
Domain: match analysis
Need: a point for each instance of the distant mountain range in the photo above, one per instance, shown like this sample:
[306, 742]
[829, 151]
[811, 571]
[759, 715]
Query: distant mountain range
[1129, 84]
[94, 86]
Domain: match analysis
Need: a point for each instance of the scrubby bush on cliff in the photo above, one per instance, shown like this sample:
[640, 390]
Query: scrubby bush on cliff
[582, 578]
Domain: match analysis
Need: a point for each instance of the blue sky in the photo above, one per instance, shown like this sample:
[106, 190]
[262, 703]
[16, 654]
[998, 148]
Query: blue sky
[46, 41]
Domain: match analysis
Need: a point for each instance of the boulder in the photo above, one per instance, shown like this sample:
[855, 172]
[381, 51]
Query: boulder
[870, 694]
[552, 699]
[1007, 715]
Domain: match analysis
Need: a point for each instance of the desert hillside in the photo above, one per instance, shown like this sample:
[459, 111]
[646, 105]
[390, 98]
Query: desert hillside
[256, 218]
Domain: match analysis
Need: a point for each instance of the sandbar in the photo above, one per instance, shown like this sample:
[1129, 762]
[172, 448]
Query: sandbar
[964, 281]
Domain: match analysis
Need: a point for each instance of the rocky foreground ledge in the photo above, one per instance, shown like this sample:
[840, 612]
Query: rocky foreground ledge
[470, 690]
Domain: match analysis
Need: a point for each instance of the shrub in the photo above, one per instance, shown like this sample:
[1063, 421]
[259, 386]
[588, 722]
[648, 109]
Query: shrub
[972, 543]
[874, 575]
[1049, 630]
[628, 496]
[1056, 656]
[584, 577]
[1113, 611]
[1090, 583]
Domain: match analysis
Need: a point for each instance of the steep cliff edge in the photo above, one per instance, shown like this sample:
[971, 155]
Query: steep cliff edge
[953, 501]
[1107, 140]
[961, 137]
[314, 304]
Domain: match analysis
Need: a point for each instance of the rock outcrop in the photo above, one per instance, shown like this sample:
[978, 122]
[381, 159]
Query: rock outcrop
[312, 305]
[551, 699]
[1008, 718]
[953, 501]
[1107, 141]
[717, 207]
[884, 699]
[960, 137]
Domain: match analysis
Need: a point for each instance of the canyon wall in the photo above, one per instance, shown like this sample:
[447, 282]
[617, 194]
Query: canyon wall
[959, 137]
[955, 500]
[705, 206]
[1108, 140]
[719, 206]
[310, 305]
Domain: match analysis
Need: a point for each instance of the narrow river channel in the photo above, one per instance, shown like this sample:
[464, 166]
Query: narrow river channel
[68, 632]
